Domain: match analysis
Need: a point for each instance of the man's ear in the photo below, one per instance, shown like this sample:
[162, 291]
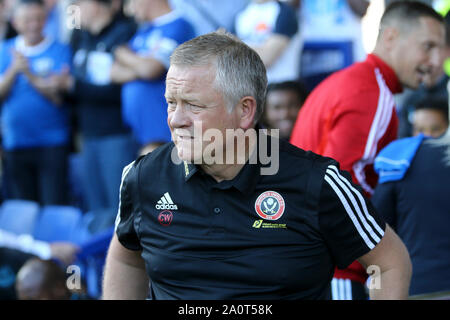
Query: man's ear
[247, 113]
[390, 36]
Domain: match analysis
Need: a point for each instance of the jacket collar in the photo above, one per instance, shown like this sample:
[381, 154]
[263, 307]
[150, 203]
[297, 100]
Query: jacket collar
[387, 72]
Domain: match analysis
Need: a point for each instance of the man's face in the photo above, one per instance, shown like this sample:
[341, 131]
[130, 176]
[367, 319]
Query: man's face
[417, 53]
[193, 100]
[29, 20]
[281, 111]
[430, 122]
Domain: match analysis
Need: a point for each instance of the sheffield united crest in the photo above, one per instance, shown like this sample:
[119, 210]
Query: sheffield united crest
[270, 205]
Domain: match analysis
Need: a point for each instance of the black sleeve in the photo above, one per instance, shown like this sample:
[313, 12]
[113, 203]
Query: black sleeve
[385, 201]
[348, 221]
[126, 228]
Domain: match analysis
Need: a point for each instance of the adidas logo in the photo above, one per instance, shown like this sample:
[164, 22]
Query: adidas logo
[166, 203]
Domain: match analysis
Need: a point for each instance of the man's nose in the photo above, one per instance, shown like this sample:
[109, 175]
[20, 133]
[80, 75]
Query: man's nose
[179, 117]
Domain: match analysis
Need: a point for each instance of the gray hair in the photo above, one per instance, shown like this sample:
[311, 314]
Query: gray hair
[240, 71]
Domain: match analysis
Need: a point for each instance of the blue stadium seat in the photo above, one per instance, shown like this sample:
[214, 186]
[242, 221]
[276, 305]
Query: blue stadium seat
[19, 216]
[58, 223]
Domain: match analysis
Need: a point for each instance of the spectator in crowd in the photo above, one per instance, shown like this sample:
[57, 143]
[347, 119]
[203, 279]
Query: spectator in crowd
[431, 118]
[63, 251]
[107, 144]
[10, 263]
[41, 280]
[335, 22]
[190, 248]
[271, 28]
[141, 67]
[35, 127]
[208, 16]
[412, 196]
[283, 101]
[7, 31]
[15, 250]
[408, 102]
[45, 280]
[351, 115]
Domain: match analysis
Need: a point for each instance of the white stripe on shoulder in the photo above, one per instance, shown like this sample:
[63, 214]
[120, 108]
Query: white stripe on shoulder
[382, 117]
[125, 172]
[367, 228]
[334, 289]
[348, 289]
[341, 289]
[367, 216]
[378, 129]
[350, 212]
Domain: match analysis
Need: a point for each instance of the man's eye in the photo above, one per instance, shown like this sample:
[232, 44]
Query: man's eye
[193, 106]
[428, 46]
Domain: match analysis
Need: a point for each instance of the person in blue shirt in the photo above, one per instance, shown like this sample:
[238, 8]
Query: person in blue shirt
[34, 121]
[208, 16]
[271, 28]
[106, 141]
[142, 65]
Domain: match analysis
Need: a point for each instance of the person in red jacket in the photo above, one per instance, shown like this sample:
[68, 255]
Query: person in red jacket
[351, 115]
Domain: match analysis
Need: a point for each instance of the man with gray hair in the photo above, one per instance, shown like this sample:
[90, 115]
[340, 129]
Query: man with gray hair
[205, 225]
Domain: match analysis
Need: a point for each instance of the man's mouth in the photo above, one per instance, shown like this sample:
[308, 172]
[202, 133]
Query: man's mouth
[423, 72]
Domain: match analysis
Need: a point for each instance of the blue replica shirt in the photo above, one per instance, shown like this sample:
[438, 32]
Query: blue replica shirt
[144, 105]
[28, 118]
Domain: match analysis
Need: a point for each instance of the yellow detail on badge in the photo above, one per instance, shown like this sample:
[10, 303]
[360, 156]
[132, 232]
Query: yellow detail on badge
[186, 168]
[258, 224]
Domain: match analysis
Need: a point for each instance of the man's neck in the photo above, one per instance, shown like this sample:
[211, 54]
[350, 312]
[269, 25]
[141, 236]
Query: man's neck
[381, 53]
[220, 172]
